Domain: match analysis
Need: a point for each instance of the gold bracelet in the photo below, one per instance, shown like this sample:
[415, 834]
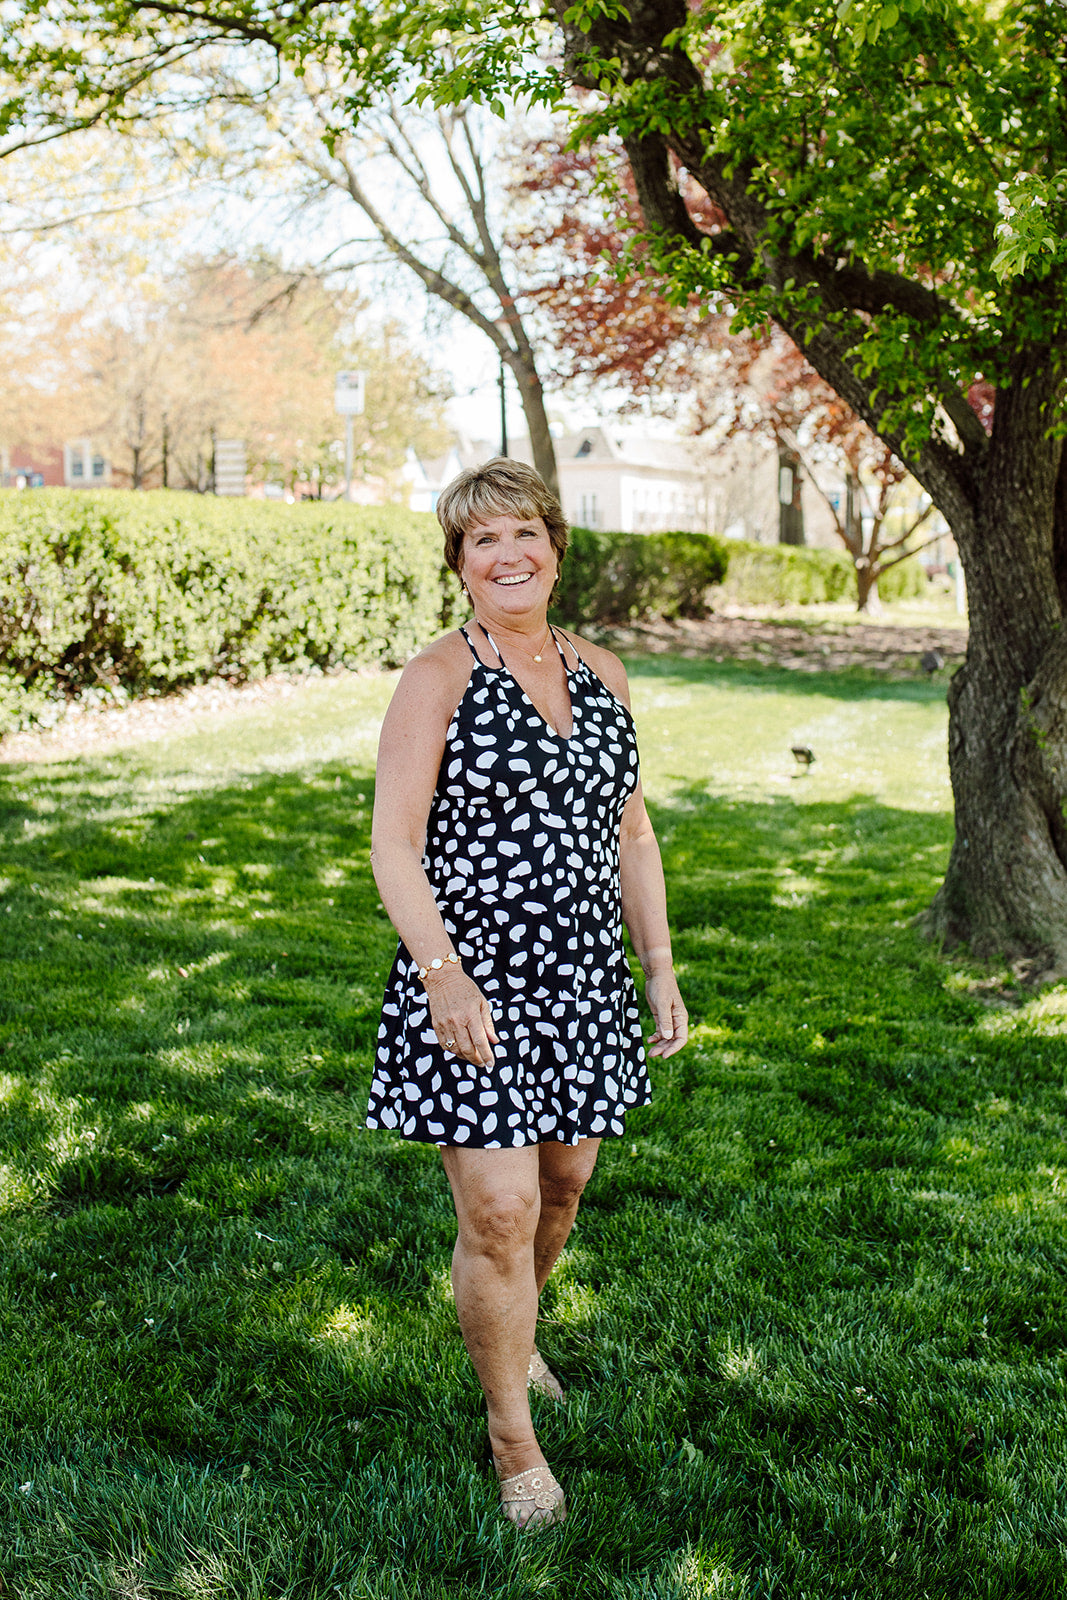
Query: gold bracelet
[437, 963]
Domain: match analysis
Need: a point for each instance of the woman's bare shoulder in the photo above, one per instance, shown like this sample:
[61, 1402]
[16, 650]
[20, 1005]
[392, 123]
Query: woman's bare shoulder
[440, 671]
[607, 666]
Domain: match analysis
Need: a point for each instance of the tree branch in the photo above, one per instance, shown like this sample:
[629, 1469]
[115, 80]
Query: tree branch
[435, 281]
[662, 205]
[634, 38]
[895, 544]
[880, 566]
[224, 25]
[414, 168]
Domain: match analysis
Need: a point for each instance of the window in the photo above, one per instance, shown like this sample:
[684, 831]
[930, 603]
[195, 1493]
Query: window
[82, 465]
[587, 510]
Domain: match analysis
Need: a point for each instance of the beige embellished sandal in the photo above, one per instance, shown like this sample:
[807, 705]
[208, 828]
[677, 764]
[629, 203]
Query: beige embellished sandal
[540, 1379]
[531, 1499]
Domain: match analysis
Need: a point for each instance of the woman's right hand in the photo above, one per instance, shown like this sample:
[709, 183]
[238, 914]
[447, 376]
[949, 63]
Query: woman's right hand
[461, 1016]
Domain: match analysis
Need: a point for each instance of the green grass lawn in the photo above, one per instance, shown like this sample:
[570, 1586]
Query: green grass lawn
[812, 1322]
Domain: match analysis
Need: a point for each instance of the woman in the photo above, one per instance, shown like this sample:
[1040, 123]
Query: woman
[510, 840]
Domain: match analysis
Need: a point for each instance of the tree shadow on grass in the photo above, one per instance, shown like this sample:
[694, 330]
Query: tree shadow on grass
[212, 1276]
[220, 953]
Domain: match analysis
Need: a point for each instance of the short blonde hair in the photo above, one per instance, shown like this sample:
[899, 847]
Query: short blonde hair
[500, 488]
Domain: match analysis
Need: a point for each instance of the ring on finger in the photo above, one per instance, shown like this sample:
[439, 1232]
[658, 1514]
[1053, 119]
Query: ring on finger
[450, 1044]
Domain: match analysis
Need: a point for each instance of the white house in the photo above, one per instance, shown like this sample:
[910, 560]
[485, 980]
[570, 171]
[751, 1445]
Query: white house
[626, 483]
[631, 483]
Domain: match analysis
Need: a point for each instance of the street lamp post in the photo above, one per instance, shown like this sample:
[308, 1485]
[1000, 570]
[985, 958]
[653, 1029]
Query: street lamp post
[503, 412]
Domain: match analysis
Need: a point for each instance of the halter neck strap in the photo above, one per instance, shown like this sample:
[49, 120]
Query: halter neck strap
[500, 658]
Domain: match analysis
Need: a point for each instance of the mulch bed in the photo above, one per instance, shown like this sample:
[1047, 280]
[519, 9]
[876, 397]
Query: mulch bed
[802, 647]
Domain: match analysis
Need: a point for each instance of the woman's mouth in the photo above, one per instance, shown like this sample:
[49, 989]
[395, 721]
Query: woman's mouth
[513, 578]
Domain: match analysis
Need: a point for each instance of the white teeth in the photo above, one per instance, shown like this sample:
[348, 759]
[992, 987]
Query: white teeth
[518, 577]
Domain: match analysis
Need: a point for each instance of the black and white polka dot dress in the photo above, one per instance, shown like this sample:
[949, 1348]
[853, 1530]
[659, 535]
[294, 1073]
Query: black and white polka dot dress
[522, 854]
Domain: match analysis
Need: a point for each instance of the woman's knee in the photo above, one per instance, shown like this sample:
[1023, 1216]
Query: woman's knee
[496, 1197]
[500, 1224]
[562, 1192]
[565, 1170]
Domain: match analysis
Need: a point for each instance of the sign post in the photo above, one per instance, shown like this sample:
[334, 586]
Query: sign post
[349, 396]
[231, 466]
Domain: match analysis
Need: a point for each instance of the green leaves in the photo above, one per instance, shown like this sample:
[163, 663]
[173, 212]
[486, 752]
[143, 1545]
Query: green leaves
[585, 13]
[867, 22]
[1033, 211]
[919, 140]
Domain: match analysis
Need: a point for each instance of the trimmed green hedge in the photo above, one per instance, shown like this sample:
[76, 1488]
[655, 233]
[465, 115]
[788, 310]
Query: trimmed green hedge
[790, 575]
[110, 591]
[142, 593]
[622, 577]
[146, 592]
[626, 577]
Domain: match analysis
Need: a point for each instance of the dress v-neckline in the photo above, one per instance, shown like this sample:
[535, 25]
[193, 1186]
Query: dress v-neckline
[565, 737]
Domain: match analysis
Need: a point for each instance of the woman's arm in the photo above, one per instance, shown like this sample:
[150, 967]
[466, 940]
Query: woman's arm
[409, 756]
[644, 910]
[644, 895]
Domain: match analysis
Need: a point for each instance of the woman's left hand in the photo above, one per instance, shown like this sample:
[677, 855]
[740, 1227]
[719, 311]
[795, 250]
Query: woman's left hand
[668, 1013]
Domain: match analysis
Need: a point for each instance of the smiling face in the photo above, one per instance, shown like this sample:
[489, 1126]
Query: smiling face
[509, 566]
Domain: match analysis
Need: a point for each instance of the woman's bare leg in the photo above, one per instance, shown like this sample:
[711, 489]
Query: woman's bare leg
[498, 1203]
[563, 1172]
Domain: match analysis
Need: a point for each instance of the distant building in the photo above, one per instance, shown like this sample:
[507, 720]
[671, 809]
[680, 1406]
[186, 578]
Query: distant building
[630, 483]
[25, 468]
[77, 464]
[85, 466]
[424, 477]
[623, 482]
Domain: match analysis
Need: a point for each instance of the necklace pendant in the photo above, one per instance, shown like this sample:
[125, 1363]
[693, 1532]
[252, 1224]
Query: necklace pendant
[537, 658]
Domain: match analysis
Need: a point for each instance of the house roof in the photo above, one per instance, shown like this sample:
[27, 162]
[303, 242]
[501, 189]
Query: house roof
[594, 445]
[628, 448]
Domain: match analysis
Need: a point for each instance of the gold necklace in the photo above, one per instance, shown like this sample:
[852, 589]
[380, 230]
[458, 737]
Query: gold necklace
[489, 636]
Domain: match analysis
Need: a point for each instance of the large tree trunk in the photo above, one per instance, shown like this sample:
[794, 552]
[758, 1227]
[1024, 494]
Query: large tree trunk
[1005, 892]
[542, 444]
